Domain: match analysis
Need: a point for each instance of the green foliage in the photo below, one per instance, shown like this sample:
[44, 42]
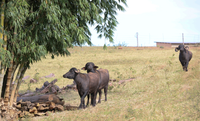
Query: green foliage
[36, 76]
[161, 47]
[110, 87]
[5, 57]
[123, 44]
[108, 22]
[104, 47]
[35, 28]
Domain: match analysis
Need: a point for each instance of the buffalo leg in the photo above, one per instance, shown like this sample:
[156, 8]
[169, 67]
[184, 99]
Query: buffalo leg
[88, 96]
[82, 105]
[183, 65]
[80, 94]
[93, 98]
[99, 96]
[105, 92]
[186, 65]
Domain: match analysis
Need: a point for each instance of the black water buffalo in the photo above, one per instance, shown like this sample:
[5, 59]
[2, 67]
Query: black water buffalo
[104, 77]
[184, 56]
[86, 84]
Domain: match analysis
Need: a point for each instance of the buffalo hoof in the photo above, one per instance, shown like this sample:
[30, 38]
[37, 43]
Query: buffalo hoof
[184, 69]
[81, 107]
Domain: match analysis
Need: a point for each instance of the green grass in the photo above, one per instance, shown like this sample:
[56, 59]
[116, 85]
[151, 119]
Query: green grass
[161, 90]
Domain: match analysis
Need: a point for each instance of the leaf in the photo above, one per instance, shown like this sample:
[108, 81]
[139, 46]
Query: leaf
[55, 27]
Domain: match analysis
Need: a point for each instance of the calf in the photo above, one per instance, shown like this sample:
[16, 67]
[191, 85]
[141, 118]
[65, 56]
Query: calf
[104, 76]
[86, 84]
[184, 56]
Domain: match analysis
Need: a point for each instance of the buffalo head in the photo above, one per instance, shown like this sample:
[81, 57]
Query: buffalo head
[71, 73]
[90, 67]
[181, 47]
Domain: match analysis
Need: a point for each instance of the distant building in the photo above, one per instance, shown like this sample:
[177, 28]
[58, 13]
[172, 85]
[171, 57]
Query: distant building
[175, 44]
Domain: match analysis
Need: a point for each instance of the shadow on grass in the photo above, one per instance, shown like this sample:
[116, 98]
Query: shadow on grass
[70, 96]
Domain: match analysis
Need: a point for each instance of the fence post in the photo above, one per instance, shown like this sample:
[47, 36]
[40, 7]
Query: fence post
[183, 38]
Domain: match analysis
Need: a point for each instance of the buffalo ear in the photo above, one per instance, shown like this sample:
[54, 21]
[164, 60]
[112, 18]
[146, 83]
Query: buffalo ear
[83, 68]
[186, 47]
[96, 67]
[176, 49]
[77, 71]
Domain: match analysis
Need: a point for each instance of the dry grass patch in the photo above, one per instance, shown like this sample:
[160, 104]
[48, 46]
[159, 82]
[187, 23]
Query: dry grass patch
[161, 90]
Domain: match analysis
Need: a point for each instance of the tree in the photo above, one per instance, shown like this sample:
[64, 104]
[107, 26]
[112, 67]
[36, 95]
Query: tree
[35, 28]
[1, 37]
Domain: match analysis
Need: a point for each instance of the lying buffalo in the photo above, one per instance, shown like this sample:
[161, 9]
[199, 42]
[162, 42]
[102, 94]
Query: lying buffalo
[184, 56]
[86, 84]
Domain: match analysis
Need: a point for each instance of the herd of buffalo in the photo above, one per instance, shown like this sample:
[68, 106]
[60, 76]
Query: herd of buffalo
[96, 80]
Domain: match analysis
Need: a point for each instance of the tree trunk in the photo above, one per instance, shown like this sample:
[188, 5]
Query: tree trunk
[15, 84]
[15, 65]
[7, 77]
[7, 91]
[20, 80]
[2, 18]
[12, 76]
[4, 83]
[1, 81]
[1, 37]
[42, 99]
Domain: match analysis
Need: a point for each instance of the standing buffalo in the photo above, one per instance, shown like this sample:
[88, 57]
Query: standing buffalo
[184, 56]
[86, 84]
[104, 78]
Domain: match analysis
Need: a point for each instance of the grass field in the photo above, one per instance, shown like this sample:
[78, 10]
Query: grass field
[161, 90]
